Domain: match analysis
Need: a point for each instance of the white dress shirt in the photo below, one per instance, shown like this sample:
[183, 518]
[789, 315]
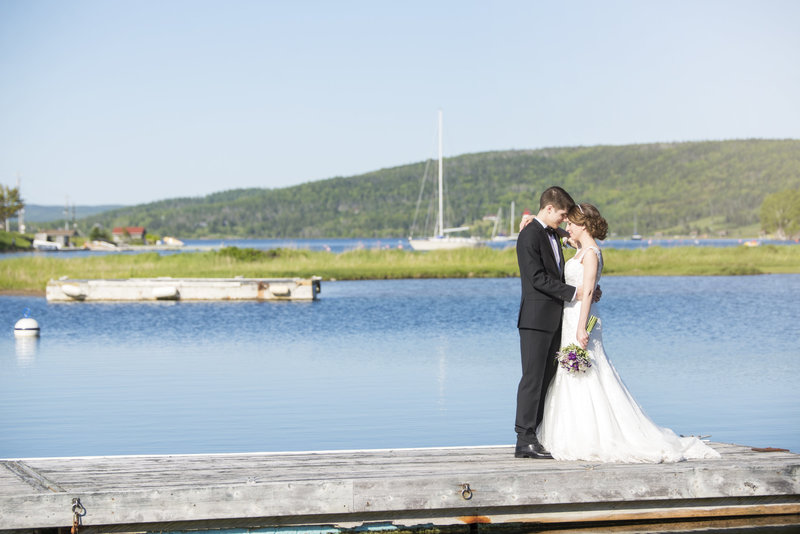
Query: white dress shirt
[556, 246]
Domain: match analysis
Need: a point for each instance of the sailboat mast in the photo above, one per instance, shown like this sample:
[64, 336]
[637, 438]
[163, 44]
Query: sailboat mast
[441, 196]
[511, 228]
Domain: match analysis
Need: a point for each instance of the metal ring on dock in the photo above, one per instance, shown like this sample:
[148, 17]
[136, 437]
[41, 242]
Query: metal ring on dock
[466, 492]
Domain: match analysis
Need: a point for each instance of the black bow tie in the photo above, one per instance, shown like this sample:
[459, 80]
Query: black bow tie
[551, 231]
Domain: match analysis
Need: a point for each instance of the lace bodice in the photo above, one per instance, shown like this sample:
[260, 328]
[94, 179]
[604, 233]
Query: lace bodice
[573, 274]
[573, 269]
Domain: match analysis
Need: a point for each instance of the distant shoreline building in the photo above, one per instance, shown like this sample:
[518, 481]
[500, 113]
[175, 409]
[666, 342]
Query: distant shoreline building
[121, 234]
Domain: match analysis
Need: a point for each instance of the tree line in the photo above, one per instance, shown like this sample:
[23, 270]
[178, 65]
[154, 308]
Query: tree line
[690, 187]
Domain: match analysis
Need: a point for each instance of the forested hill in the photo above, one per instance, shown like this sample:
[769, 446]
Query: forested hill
[707, 187]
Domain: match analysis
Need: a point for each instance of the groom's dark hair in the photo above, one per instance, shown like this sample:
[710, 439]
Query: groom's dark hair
[556, 197]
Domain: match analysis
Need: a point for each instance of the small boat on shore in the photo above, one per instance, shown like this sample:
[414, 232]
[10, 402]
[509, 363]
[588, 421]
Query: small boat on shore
[172, 241]
[99, 245]
[45, 246]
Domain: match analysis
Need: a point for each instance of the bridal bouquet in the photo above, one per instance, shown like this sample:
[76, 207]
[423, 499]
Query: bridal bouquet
[573, 358]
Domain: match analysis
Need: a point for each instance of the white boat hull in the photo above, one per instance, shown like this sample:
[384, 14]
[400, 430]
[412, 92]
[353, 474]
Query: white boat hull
[39, 244]
[504, 238]
[443, 243]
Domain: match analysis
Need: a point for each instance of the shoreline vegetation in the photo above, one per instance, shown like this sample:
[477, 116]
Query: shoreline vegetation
[29, 275]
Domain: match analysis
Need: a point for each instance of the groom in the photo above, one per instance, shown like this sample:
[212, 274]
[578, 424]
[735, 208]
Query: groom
[541, 269]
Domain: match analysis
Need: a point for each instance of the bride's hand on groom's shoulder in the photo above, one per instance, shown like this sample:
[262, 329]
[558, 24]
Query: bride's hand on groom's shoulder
[525, 221]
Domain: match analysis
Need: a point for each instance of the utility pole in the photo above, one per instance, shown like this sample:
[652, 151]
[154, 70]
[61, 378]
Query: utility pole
[441, 180]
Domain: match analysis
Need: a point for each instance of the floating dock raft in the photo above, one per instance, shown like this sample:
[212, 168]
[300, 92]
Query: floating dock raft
[405, 489]
[167, 288]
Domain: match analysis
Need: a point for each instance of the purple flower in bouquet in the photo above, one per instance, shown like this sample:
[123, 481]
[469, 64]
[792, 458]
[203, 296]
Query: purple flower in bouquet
[574, 359]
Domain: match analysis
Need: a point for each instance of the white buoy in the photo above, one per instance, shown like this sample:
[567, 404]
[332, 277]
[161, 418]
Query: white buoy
[27, 326]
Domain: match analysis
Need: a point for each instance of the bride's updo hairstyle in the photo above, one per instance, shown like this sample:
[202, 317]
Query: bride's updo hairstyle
[589, 217]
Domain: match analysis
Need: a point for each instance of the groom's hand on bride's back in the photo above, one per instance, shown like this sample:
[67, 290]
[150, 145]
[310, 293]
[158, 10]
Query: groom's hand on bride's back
[595, 296]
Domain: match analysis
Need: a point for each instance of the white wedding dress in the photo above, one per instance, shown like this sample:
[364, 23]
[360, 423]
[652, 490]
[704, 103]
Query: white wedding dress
[591, 416]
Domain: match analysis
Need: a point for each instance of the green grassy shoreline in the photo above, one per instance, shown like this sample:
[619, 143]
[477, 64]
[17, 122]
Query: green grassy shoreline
[31, 274]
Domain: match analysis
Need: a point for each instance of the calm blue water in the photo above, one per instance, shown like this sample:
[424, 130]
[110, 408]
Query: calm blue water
[342, 245]
[377, 364]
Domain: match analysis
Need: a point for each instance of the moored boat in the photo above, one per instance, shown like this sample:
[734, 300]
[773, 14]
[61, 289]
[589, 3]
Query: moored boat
[441, 239]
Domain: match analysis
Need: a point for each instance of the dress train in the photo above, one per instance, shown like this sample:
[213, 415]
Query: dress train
[592, 416]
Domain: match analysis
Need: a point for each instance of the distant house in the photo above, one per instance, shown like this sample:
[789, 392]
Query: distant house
[59, 237]
[121, 234]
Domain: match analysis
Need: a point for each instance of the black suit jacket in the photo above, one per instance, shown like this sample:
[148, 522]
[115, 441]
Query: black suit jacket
[543, 287]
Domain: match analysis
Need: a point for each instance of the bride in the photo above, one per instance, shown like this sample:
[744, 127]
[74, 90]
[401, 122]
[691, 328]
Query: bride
[591, 415]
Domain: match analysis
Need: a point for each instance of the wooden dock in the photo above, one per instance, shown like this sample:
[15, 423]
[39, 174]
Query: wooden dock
[403, 489]
[167, 288]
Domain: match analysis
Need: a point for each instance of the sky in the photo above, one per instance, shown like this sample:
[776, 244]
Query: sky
[127, 102]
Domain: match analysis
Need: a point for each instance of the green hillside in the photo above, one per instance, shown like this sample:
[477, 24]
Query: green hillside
[675, 188]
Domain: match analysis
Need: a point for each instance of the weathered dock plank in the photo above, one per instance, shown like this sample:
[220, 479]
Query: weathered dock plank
[408, 487]
[167, 288]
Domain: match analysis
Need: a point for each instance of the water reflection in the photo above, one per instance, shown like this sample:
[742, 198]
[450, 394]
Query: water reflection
[382, 364]
[26, 348]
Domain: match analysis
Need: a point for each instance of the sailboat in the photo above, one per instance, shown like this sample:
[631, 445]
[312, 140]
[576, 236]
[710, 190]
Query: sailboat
[636, 235]
[441, 239]
[512, 235]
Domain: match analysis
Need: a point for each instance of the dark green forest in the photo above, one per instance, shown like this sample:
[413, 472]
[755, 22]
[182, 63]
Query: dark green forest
[710, 187]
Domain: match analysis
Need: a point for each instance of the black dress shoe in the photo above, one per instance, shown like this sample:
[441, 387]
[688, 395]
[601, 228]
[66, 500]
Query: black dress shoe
[531, 450]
